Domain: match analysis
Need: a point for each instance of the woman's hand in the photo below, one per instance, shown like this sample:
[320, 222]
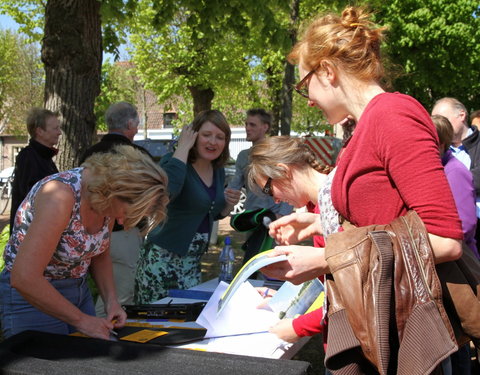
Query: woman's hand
[266, 294]
[232, 196]
[296, 227]
[99, 328]
[284, 330]
[185, 142]
[116, 314]
[303, 263]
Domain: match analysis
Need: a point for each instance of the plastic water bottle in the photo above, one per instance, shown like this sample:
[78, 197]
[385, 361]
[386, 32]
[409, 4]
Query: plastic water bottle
[226, 260]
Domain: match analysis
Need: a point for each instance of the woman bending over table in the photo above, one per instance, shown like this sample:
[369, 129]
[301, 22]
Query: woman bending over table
[62, 231]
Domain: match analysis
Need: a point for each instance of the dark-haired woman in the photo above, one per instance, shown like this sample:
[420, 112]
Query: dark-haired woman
[170, 257]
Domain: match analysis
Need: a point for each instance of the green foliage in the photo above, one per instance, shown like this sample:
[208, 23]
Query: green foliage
[119, 83]
[4, 236]
[116, 15]
[192, 46]
[93, 287]
[29, 14]
[307, 120]
[435, 45]
[21, 80]
[238, 48]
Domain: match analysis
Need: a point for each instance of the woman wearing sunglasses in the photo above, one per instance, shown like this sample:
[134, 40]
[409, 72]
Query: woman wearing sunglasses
[299, 179]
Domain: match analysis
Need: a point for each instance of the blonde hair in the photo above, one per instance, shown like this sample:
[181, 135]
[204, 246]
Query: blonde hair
[350, 42]
[267, 154]
[37, 118]
[131, 176]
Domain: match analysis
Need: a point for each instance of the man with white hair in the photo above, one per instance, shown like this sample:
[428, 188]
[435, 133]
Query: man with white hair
[466, 139]
[122, 121]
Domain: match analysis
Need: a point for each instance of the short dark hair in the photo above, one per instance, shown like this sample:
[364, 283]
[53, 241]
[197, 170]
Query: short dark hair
[474, 114]
[265, 116]
[37, 118]
[218, 119]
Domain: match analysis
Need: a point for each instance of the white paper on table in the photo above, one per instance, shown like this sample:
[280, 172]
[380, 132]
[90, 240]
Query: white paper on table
[239, 316]
[256, 344]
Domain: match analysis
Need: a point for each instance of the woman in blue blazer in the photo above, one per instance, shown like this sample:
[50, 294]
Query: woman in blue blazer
[170, 257]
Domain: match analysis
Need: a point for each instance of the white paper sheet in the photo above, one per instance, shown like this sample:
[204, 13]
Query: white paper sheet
[256, 344]
[239, 316]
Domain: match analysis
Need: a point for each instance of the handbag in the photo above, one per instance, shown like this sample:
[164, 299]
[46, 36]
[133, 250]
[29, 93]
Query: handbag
[460, 282]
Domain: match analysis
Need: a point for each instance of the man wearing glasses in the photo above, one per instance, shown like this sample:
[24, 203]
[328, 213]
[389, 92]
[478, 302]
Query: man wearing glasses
[257, 125]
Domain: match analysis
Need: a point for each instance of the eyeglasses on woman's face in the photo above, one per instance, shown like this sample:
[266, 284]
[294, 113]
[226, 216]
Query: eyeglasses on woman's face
[267, 189]
[302, 86]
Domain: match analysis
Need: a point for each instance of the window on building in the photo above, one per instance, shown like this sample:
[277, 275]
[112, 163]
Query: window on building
[15, 151]
[168, 118]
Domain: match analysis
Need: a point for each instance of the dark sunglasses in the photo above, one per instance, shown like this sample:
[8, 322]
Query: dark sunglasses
[302, 86]
[267, 189]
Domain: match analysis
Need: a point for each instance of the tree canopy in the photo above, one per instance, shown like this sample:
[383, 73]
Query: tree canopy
[21, 80]
[434, 48]
[231, 55]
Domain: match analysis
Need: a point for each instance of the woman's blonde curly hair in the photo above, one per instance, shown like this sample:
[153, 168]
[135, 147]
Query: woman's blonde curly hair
[267, 154]
[131, 176]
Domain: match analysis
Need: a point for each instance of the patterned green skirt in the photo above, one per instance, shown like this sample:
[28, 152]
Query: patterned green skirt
[159, 270]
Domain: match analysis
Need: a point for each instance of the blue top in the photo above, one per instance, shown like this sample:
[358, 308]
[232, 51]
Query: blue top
[189, 203]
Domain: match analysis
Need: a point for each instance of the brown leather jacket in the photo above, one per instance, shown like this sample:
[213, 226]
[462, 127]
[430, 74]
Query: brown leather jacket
[386, 313]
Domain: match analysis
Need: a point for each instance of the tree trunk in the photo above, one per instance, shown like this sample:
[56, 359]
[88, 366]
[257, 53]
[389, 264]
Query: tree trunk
[275, 90]
[72, 56]
[286, 96]
[202, 99]
[289, 78]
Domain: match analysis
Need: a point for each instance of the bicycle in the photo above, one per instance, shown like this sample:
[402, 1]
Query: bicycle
[5, 193]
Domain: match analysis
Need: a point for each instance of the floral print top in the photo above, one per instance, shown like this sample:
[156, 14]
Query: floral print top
[76, 247]
[328, 213]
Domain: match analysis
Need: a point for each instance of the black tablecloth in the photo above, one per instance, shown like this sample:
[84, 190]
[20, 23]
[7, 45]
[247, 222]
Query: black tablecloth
[44, 353]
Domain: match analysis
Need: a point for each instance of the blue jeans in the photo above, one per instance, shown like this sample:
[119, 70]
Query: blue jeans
[19, 315]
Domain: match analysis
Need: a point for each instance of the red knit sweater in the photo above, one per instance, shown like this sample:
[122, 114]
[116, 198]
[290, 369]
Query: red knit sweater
[392, 164]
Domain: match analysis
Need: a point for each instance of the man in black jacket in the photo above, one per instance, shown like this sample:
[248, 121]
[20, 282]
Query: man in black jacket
[35, 162]
[122, 121]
